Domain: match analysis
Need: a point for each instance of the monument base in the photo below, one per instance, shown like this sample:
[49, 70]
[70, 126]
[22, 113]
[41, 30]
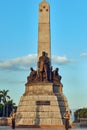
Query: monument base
[42, 105]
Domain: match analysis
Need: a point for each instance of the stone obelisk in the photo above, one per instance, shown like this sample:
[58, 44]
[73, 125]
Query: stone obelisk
[44, 29]
[43, 103]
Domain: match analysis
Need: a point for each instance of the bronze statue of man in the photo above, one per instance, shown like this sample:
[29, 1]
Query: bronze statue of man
[43, 66]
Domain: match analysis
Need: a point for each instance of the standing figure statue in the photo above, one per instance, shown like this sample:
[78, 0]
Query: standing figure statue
[44, 67]
[13, 116]
[67, 118]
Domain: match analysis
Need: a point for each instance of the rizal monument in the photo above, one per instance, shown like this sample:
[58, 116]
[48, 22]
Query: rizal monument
[43, 103]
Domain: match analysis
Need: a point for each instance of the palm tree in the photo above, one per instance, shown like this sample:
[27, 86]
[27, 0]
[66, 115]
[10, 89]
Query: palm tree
[3, 98]
[10, 106]
[0, 98]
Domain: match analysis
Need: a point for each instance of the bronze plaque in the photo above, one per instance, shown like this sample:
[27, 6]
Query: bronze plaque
[42, 102]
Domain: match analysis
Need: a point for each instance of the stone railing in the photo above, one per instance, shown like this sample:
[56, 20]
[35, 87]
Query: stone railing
[83, 122]
[5, 121]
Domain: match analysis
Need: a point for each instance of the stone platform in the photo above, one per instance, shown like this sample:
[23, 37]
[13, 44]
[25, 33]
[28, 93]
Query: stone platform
[42, 105]
[9, 128]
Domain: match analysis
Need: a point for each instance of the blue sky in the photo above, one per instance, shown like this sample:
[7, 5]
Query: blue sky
[19, 41]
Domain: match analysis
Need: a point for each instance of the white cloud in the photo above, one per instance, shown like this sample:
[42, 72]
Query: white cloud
[60, 59]
[83, 54]
[24, 63]
[21, 63]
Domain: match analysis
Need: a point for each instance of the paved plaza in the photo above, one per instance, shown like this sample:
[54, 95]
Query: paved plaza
[9, 128]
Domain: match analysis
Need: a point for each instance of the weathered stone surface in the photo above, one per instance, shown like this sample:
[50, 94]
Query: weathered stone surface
[44, 29]
[38, 89]
[43, 114]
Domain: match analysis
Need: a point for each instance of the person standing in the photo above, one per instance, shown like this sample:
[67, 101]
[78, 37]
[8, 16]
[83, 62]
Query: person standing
[66, 117]
[13, 115]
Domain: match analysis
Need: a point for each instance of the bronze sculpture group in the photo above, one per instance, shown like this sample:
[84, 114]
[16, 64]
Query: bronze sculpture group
[44, 71]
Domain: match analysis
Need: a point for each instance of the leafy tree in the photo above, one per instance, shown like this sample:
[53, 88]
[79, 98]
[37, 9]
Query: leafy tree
[10, 106]
[80, 113]
[4, 95]
[1, 109]
[3, 98]
[6, 103]
[0, 98]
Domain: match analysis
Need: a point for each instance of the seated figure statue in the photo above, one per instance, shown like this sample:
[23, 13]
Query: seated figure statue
[32, 75]
[43, 67]
[56, 76]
